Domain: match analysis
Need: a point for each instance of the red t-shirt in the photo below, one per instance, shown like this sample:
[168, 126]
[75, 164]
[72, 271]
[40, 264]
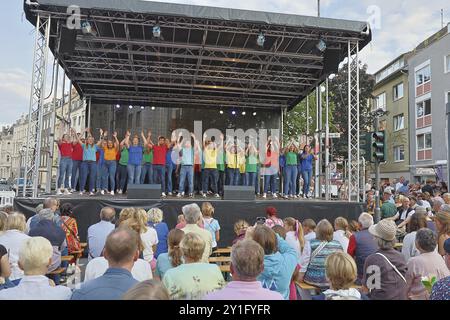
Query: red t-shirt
[159, 154]
[66, 149]
[77, 152]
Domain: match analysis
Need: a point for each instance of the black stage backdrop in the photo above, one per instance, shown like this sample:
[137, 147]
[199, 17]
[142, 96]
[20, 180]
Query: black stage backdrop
[227, 212]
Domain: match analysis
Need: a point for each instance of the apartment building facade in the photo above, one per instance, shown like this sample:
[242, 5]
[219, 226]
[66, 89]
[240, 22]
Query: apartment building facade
[6, 153]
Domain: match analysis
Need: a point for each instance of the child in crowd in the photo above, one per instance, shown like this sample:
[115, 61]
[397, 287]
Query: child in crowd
[211, 224]
[181, 222]
[342, 233]
[309, 229]
[174, 257]
[294, 235]
[240, 227]
[272, 218]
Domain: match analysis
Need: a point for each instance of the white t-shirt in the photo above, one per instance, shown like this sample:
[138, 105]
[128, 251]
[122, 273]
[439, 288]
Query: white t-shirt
[97, 267]
[149, 239]
[339, 236]
[310, 236]
[426, 204]
[13, 240]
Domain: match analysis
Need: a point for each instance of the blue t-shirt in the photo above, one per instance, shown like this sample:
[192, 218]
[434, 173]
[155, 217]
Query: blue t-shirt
[89, 152]
[169, 155]
[212, 225]
[306, 163]
[162, 230]
[187, 156]
[135, 155]
[282, 161]
[163, 263]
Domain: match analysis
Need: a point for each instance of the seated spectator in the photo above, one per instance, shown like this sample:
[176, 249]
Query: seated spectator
[47, 228]
[341, 273]
[155, 217]
[442, 221]
[362, 244]
[440, 290]
[147, 290]
[279, 230]
[193, 216]
[211, 224]
[404, 212]
[7, 209]
[429, 263]
[97, 267]
[70, 227]
[51, 203]
[353, 226]
[13, 239]
[385, 270]
[316, 251]
[309, 229]
[240, 227]
[174, 257]
[272, 218]
[121, 251]
[247, 263]
[280, 259]
[3, 218]
[438, 202]
[446, 198]
[193, 279]
[34, 259]
[97, 233]
[294, 236]
[417, 222]
[5, 269]
[181, 222]
[149, 236]
[341, 233]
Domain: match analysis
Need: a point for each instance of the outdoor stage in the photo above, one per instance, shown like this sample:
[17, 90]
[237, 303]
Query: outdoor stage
[227, 212]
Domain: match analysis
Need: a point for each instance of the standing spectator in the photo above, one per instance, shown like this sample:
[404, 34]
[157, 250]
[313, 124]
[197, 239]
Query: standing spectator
[34, 258]
[417, 222]
[97, 233]
[121, 251]
[247, 263]
[427, 264]
[70, 227]
[313, 261]
[155, 217]
[428, 187]
[446, 198]
[272, 218]
[193, 216]
[147, 290]
[309, 229]
[193, 279]
[440, 290]
[442, 221]
[211, 224]
[240, 227]
[399, 184]
[388, 209]
[159, 163]
[385, 281]
[342, 234]
[362, 244]
[13, 239]
[174, 257]
[77, 159]
[280, 260]
[65, 164]
[307, 158]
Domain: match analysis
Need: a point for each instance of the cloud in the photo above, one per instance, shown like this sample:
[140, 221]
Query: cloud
[15, 93]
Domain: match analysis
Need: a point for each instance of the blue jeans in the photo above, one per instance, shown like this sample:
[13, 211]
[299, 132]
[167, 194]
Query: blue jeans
[221, 182]
[122, 177]
[207, 176]
[65, 170]
[88, 168]
[147, 171]
[250, 179]
[102, 174]
[306, 174]
[159, 175]
[186, 172]
[169, 170]
[110, 168]
[76, 173]
[233, 176]
[270, 180]
[134, 173]
[290, 179]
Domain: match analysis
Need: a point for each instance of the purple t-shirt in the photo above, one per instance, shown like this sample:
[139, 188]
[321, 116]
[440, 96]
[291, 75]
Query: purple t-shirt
[243, 290]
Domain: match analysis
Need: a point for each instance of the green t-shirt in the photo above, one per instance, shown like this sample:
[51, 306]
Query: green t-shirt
[124, 157]
[148, 156]
[388, 210]
[291, 158]
[221, 164]
[251, 163]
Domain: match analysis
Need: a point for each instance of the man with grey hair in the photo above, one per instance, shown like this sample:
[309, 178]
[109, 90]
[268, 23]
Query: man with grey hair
[247, 263]
[429, 262]
[362, 244]
[446, 198]
[193, 215]
[98, 232]
[50, 203]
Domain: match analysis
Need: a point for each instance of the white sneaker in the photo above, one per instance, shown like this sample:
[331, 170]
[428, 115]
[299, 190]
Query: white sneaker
[204, 195]
[180, 195]
[275, 196]
[169, 194]
[92, 194]
[119, 191]
[112, 192]
[163, 194]
[286, 196]
[217, 195]
[265, 195]
[67, 192]
[191, 195]
[102, 192]
[81, 193]
[58, 193]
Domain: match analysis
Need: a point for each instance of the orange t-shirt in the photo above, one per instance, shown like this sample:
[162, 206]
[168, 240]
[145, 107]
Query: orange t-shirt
[110, 154]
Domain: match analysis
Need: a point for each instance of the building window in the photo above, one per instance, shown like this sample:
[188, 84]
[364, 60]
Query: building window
[399, 122]
[424, 108]
[399, 153]
[424, 145]
[398, 91]
[423, 75]
[447, 63]
[381, 101]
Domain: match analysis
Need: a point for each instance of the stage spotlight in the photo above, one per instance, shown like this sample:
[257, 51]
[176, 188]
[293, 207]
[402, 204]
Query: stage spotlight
[221, 111]
[233, 112]
[244, 113]
[142, 107]
[117, 106]
[321, 45]
[130, 106]
[261, 39]
[157, 31]
[254, 113]
[153, 108]
[86, 28]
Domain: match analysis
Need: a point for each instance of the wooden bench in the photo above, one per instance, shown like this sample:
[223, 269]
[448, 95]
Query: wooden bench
[219, 259]
[57, 271]
[223, 251]
[67, 258]
[306, 286]
[225, 268]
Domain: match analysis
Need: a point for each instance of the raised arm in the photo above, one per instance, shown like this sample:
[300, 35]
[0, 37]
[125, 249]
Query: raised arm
[116, 141]
[126, 141]
[99, 142]
[144, 139]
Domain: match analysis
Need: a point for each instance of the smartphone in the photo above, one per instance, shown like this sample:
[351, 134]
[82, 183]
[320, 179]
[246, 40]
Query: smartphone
[260, 220]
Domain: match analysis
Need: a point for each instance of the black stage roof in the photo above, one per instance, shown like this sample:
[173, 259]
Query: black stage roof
[205, 57]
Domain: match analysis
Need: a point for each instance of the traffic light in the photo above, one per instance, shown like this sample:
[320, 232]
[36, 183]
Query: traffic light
[365, 146]
[379, 146]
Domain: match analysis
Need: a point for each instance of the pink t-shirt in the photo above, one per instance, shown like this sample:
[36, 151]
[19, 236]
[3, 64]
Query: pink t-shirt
[243, 290]
[272, 222]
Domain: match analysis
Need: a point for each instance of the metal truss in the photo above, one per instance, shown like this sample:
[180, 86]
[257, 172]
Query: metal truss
[36, 110]
[353, 122]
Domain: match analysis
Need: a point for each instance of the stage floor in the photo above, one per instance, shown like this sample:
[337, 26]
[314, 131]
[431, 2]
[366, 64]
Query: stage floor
[227, 212]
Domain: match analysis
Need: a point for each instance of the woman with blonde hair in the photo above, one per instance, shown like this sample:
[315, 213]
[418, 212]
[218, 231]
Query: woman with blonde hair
[211, 224]
[240, 227]
[155, 220]
[442, 221]
[147, 290]
[342, 233]
[294, 235]
[174, 257]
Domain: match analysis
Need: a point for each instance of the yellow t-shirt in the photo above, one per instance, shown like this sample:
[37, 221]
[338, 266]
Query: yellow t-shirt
[110, 154]
[210, 157]
[231, 160]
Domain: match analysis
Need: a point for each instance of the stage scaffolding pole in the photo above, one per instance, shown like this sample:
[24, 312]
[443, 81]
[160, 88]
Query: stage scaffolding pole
[327, 145]
[317, 144]
[281, 146]
[51, 134]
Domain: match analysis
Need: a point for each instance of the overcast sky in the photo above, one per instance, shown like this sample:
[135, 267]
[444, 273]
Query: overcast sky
[399, 26]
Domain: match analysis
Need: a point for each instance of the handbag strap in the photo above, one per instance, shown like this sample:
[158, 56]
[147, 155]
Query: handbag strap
[317, 250]
[394, 267]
